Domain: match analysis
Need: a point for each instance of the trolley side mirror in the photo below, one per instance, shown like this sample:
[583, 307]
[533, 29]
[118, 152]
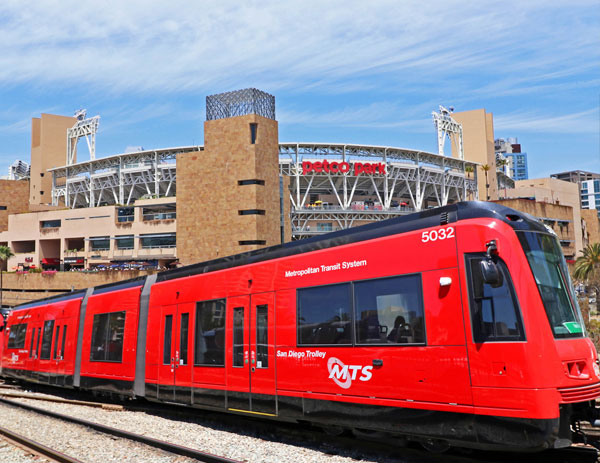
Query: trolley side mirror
[489, 270]
[490, 273]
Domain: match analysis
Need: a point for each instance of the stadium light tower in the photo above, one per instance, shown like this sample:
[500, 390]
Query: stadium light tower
[447, 127]
[84, 127]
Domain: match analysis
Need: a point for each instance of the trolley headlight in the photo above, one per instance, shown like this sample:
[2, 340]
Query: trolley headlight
[597, 368]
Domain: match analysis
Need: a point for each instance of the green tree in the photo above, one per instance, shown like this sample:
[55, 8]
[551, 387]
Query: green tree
[587, 271]
[486, 168]
[5, 254]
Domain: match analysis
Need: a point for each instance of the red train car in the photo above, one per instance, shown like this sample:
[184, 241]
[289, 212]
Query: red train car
[454, 326]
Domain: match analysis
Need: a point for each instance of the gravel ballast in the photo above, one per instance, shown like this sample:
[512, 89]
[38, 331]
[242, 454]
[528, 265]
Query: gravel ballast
[212, 437]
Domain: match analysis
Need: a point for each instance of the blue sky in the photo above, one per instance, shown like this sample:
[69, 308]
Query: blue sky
[367, 72]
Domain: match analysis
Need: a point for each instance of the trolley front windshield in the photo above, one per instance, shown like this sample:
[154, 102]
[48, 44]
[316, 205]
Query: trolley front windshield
[554, 284]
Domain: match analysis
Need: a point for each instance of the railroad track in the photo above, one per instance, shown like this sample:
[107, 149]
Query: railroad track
[302, 436]
[36, 448]
[156, 443]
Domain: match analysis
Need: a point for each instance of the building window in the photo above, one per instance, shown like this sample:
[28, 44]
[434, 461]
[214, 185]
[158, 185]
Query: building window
[100, 243]
[16, 338]
[253, 132]
[251, 182]
[324, 227]
[124, 242]
[107, 337]
[168, 240]
[252, 242]
[2, 208]
[125, 214]
[252, 212]
[50, 224]
[209, 346]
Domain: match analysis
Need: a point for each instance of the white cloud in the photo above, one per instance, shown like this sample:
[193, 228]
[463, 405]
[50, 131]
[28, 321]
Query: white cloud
[145, 46]
[575, 123]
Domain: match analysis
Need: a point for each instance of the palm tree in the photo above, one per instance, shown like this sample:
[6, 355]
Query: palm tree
[486, 168]
[5, 254]
[587, 270]
[469, 170]
[587, 267]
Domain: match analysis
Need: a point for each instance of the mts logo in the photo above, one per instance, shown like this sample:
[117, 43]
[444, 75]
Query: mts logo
[358, 168]
[343, 375]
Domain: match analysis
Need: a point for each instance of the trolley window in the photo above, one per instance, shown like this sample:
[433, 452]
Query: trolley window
[554, 284]
[47, 340]
[495, 314]
[107, 337]
[62, 347]
[32, 344]
[56, 337]
[167, 339]
[325, 315]
[183, 338]
[16, 337]
[262, 336]
[209, 349]
[389, 311]
[238, 337]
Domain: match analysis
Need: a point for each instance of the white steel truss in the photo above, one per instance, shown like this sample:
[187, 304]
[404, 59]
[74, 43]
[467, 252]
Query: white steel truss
[446, 126]
[119, 179]
[84, 127]
[413, 181]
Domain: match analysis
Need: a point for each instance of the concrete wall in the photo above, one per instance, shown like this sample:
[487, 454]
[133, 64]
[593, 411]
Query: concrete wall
[553, 191]
[592, 224]
[14, 196]
[209, 225]
[48, 150]
[18, 288]
[478, 144]
[564, 231]
[80, 225]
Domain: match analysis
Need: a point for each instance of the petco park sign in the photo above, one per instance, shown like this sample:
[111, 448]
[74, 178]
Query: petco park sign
[326, 167]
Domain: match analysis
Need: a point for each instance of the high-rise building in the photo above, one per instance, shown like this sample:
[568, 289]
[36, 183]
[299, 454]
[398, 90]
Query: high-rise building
[590, 194]
[589, 187]
[516, 161]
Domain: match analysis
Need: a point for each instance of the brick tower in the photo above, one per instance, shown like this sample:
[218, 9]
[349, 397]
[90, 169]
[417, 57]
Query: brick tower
[228, 196]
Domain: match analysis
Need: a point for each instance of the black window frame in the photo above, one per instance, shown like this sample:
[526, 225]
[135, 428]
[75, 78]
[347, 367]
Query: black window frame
[167, 340]
[237, 348]
[351, 321]
[478, 336]
[105, 345]
[184, 338]
[47, 335]
[18, 332]
[262, 349]
[56, 336]
[32, 342]
[197, 332]
[64, 339]
[422, 307]
[353, 318]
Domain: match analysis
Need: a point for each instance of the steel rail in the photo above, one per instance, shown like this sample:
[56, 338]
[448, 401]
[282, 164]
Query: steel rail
[156, 443]
[36, 447]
